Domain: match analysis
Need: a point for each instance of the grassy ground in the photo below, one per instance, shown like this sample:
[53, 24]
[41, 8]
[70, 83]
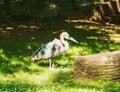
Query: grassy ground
[18, 40]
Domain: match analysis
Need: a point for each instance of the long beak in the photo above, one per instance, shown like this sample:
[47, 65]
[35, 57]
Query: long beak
[72, 39]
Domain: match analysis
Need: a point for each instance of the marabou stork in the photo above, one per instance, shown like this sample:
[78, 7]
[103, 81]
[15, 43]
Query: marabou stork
[51, 49]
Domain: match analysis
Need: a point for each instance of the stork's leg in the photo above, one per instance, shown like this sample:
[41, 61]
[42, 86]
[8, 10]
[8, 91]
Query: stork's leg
[51, 64]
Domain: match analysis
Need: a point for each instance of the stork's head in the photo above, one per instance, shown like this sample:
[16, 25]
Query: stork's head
[67, 36]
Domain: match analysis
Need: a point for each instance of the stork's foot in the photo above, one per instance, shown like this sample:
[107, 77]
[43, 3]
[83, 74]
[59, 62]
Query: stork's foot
[60, 69]
[52, 68]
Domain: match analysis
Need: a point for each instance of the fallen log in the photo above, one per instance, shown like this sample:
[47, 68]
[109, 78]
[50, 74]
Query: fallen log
[98, 65]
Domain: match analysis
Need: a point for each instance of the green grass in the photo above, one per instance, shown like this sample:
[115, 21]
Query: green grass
[18, 73]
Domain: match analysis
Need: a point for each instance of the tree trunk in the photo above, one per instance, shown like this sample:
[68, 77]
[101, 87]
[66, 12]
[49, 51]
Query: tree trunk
[31, 9]
[73, 4]
[7, 6]
[98, 65]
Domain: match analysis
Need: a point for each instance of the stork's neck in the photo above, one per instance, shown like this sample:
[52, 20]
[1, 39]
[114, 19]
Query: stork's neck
[65, 44]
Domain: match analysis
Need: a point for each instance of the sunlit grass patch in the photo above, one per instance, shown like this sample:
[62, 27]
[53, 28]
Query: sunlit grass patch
[56, 81]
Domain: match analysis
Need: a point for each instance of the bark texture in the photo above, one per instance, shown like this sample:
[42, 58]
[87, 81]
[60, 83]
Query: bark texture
[98, 65]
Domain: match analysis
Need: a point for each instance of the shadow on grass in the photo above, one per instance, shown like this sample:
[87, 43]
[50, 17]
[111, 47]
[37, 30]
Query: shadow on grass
[95, 35]
[13, 86]
[19, 41]
[15, 57]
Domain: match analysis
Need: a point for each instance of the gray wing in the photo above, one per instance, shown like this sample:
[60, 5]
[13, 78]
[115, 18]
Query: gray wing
[49, 50]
